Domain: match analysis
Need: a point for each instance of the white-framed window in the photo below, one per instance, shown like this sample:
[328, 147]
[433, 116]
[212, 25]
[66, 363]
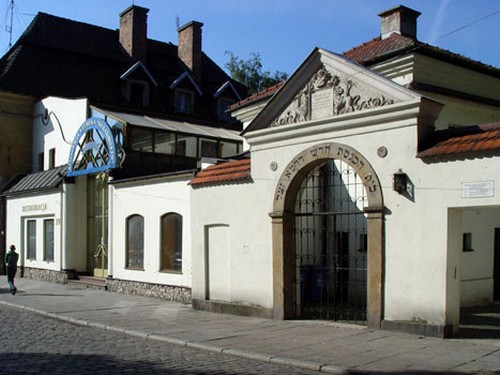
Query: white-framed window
[31, 239]
[48, 240]
[39, 239]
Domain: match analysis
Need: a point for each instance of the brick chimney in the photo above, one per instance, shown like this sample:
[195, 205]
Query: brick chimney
[189, 49]
[400, 20]
[133, 32]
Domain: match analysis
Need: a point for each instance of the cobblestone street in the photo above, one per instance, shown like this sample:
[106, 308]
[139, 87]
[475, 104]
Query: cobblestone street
[32, 344]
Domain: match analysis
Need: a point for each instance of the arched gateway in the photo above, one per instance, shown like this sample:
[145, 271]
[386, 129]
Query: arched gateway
[328, 237]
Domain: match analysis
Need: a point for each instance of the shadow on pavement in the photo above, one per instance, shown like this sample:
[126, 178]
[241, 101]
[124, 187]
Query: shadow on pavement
[409, 372]
[480, 322]
[43, 363]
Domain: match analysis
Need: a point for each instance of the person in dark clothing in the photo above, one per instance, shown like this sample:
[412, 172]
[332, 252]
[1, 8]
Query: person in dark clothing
[11, 259]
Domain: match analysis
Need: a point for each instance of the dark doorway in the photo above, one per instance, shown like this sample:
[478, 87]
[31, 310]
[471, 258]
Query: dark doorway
[330, 245]
[480, 322]
[496, 266]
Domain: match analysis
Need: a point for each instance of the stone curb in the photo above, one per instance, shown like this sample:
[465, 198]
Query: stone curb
[306, 365]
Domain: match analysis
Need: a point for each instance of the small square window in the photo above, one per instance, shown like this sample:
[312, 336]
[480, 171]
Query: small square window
[41, 158]
[467, 242]
[52, 158]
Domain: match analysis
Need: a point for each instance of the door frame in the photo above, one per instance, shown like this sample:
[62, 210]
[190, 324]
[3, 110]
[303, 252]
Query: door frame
[282, 218]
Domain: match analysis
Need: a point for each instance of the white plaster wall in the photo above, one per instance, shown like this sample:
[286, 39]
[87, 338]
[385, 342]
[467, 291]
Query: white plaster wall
[431, 71]
[34, 207]
[150, 199]
[417, 272]
[457, 112]
[415, 252]
[65, 118]
[244, 209]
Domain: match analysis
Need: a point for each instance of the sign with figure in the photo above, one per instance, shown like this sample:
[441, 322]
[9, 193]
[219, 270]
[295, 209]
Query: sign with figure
[94, 149]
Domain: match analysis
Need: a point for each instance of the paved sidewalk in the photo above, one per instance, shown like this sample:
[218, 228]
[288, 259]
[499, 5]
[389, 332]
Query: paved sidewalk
[321, 346]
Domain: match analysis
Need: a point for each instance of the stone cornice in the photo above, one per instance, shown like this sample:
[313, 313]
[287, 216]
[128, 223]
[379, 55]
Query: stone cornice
[395, 115]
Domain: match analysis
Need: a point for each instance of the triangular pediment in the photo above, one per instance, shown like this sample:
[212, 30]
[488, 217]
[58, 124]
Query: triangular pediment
[328, 85]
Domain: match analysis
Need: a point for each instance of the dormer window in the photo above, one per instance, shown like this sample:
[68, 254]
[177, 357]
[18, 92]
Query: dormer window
[222, 106]
[185, 87]
[138, 93]
[184, 101]
[226, 95]
[138, 80]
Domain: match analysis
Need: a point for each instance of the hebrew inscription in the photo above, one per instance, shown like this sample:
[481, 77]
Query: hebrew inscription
[328, 151]
[327, 95]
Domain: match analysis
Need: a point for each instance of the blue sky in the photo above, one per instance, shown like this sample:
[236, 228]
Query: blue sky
[283, 32]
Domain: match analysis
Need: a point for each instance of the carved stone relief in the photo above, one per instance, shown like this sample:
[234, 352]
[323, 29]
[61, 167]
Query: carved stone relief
[327, 95]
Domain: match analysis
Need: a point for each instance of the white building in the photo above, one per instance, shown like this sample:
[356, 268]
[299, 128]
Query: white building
[365, 200]
[369, 194]
[143, 245]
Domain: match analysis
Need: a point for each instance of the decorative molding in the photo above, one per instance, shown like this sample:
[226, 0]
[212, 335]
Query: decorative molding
[136, 66]
[328, 95]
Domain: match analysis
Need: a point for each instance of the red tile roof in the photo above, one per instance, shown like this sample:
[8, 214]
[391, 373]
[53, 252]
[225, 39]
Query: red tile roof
[378, 47]
[227, 172]
[465, 142]
[258, 96]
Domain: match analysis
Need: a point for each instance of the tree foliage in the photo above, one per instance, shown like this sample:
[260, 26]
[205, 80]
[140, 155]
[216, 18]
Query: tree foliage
[249, 72]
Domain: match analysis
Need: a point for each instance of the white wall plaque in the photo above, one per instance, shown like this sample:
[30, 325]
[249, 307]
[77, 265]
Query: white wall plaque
[480, 189]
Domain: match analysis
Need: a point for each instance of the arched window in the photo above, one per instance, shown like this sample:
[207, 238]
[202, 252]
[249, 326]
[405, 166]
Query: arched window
[135, 242]
[171, 242]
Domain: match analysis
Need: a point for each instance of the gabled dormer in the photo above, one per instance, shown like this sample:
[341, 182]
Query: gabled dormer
[185, 91]
[226, 95]
[137, 84]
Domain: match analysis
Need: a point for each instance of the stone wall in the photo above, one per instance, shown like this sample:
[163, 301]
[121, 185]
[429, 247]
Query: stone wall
[43, 275]
[167, 292]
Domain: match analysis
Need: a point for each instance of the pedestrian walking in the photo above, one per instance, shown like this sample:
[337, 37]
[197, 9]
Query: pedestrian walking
[11, 259]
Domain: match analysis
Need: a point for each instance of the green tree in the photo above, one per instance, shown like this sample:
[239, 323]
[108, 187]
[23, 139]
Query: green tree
[249, 72]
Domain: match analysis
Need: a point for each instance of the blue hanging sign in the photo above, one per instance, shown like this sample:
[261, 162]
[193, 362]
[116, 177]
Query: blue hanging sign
[93, 149]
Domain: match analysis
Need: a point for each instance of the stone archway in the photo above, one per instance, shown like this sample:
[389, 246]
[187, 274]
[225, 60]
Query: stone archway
[283, 217]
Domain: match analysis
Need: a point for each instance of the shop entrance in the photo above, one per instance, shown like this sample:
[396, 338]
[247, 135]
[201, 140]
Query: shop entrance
[331, 245]
[97, 225]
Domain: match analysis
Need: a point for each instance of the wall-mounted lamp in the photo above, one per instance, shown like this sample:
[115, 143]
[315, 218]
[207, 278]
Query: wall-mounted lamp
[400, 181]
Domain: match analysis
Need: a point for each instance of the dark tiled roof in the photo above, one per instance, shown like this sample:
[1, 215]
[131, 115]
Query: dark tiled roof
[467, 142]
[379, 49]
[227, 172]
[44, 180]
[60, 57]
[270, 91]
